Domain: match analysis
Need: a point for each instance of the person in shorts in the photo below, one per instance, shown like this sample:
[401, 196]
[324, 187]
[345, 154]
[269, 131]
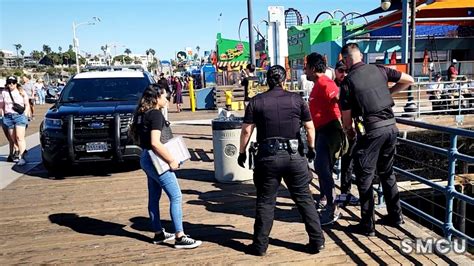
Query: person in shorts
[15, 120]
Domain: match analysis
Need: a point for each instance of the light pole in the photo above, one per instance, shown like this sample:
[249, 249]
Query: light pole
[251, 39]
[75, 41]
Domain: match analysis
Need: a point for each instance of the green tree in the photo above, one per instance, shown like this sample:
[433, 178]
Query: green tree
[198, 49]
[66, 57]
[46, 49]
[22, 52]
[125, 59]
[60, 49]
[104, 49]
[37, 55]
[127, 52]
[57, 58]
[2, 56]
[17, 47]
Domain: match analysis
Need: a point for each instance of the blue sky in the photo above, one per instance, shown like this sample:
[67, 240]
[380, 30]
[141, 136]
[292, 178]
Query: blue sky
[166, 26]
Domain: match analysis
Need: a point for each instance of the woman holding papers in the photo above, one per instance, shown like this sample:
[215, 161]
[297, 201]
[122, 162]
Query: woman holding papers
[147, 128]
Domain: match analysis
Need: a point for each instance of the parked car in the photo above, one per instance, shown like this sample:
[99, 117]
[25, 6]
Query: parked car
[91, 119]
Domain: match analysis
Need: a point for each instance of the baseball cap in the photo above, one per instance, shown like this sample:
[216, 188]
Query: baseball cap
[455, 61]
[12, 79]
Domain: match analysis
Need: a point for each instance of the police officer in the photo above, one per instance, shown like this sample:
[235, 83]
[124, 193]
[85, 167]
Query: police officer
[365, 97]
[277, 115]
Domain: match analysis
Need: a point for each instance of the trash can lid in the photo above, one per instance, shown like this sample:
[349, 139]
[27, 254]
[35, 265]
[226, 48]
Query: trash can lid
[227, 123]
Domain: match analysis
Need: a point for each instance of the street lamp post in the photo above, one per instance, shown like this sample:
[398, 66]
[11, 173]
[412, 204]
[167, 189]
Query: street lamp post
[251, 39]
[75, 41]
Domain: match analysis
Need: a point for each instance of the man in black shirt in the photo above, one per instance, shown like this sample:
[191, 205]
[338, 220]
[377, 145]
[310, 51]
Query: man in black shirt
[277, 115]
[250, 81]
[365, 97]
[164, 83]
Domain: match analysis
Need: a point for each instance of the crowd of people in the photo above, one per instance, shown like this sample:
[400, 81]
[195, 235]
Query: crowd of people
[349, 114]
[352, 116]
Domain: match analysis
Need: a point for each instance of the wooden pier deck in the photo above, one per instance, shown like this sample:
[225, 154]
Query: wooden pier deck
[99, 215]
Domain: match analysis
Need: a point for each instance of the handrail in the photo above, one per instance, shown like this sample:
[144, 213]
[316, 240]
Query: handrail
[446, 98]
[449, 190]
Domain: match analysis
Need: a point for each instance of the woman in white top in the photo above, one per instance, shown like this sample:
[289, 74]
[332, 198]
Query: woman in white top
[14, 106]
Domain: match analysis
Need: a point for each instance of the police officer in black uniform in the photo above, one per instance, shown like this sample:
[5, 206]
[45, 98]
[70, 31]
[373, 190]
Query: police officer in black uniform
[365, 97]
[278, 114]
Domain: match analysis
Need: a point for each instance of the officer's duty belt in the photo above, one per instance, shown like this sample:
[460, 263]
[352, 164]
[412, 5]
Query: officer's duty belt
[379, 124]
[276, 144]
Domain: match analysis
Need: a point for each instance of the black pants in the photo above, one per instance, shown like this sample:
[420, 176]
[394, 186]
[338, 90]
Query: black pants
[375, 152]
[268, 172]
[346, 169]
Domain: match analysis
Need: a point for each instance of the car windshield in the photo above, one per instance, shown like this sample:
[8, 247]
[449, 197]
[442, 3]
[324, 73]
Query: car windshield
[103, 89]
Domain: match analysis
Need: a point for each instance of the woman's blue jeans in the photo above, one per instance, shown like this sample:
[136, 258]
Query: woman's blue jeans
[156, 183]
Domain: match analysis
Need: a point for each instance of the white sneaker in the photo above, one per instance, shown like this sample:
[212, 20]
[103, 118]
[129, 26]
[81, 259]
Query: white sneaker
[187, 242]
[162, 236]
[21, 162]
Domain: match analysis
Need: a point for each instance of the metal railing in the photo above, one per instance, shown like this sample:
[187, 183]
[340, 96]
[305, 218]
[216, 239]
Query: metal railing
[437, 98]
[449, 190]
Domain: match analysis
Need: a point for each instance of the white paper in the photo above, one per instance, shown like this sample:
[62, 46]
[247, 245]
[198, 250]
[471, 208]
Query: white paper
[178, 150]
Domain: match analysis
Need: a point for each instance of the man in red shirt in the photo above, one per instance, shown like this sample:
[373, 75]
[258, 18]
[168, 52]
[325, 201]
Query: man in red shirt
[326, 115]
[452, 71]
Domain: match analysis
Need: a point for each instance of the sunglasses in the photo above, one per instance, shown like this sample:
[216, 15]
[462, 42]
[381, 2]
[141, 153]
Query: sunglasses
[341, 71]
[11, 82]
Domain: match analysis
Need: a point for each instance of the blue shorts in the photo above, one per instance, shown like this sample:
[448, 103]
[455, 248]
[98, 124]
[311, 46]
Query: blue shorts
[11, 121]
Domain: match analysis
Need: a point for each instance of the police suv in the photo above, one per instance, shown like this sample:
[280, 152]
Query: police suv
[91, 119]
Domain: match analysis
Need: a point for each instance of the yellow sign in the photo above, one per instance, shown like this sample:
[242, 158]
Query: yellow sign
[230, 54]
[255, 88]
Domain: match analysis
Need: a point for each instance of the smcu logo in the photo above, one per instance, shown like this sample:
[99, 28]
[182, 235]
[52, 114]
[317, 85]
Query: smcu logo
[431, 245]
[96, 125]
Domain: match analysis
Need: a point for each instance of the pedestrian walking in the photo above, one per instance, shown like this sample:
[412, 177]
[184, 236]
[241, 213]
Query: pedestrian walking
[366, 103]
[151, 130]
[177, 93]
[326, 115]
[29, 88]
[277, 115]
[40, 91]
[15, 107]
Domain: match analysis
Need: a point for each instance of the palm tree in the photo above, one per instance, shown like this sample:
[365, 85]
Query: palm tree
[46, 49]
[197, 49]
[60, 49]
[17, 47]
[22, 52]
[104, 49]
[128, 52]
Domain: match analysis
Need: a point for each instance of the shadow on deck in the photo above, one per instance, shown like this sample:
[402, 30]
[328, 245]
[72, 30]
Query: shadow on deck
[103, 219]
